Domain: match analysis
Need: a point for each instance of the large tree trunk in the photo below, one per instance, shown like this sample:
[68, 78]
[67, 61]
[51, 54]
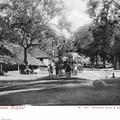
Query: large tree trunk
[25, 56]
[116, 63]
[92, 60]
[119, 63]
[96, 60]
[1, 67]
[104, 63]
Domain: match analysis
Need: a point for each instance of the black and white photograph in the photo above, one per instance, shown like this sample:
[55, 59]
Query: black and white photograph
[59, 53]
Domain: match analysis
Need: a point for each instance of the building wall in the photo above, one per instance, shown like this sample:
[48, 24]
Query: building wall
[46, 61]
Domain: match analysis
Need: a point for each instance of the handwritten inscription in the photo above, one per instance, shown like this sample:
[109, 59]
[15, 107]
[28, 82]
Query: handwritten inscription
[12, 107]
[17, 107]
[6, 119]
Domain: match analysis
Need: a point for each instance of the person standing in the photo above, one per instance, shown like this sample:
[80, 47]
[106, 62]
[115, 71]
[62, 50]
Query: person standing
[57, 69]
[50, 70]
[68, 70]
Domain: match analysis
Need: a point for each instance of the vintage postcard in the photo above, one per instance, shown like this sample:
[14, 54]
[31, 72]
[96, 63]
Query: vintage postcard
[59, 53]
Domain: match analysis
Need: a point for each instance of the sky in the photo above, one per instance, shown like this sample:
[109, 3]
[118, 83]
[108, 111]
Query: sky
[76, 13]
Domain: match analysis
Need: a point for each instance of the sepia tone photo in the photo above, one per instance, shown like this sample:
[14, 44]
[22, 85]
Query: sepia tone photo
[59, 52]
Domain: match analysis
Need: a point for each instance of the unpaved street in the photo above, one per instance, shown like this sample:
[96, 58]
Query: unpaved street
[77, 91]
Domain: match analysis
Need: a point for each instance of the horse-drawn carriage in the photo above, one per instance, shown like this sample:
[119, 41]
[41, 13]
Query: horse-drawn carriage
[67, 67]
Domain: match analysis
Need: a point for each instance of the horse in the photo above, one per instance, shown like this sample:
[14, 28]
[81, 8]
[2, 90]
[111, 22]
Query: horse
[68, 70]
[59, 68]
[63, 65]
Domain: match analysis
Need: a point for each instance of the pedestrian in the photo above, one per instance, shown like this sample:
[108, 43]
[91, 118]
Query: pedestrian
[80, 67]
[68, 70]
[75, 70]
[50, 70]
[57, 70]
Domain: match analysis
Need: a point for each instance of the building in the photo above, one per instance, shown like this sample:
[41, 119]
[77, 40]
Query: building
[19, 51]
[41, 55]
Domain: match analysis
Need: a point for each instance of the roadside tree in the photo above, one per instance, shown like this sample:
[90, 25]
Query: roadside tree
[28, 20]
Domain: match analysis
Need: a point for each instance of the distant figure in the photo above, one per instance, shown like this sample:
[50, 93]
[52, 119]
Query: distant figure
[75, 70]
[57, 70]
[68, 70]
[50, 70]
[80, 68]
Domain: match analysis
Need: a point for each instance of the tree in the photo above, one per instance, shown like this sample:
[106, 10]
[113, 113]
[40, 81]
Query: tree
[28, 20]
[82, 39]
[92, 5]
[64, 23]
[104, 24]
[59, 43]
[4, 29]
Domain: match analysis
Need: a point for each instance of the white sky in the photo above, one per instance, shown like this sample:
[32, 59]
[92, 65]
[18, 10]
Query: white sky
[76, 13]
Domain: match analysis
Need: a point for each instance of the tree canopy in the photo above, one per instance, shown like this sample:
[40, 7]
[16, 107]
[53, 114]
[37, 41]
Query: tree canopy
[27, 20]
[103, 34]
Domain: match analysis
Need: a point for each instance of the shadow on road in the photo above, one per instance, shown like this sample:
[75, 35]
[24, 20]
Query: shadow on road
[41, 82]
[61, 78]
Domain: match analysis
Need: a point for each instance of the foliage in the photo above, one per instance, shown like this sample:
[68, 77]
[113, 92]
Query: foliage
[103, 32]
[82, 40]
[102, 37]
[64, 23]
[93, 6]
[28, 20]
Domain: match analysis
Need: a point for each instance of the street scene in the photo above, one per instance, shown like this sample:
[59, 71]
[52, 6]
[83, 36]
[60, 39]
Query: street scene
[59, 52]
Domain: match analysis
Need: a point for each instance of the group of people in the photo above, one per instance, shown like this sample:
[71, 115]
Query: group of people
[65, 66]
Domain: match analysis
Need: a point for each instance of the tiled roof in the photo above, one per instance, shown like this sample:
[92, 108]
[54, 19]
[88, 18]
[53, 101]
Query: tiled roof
[7, 56]
[37, 53]
[31, 59]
